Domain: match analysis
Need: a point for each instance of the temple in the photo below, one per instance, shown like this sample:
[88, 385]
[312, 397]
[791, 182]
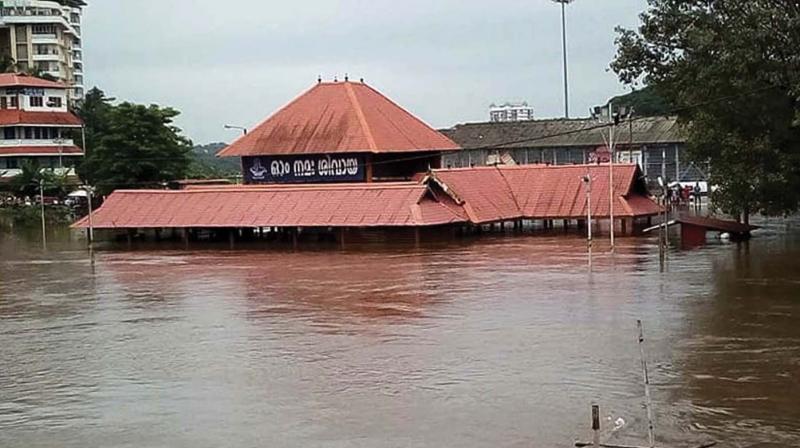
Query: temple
[343, 157]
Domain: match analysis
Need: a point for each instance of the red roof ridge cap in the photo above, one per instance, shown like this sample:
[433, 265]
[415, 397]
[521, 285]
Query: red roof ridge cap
[269, 117]
[416, 118]
[362, 119]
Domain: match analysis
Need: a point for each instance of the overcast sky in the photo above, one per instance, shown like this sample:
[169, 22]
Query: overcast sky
[237, 61]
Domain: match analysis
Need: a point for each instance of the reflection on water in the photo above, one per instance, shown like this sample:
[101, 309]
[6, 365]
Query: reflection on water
[488, 342]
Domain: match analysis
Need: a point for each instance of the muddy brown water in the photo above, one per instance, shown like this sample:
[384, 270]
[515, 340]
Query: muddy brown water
[488, 342]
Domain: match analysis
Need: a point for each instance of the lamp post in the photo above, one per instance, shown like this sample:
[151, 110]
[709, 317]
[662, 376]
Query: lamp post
[564, 4]
[241, 128]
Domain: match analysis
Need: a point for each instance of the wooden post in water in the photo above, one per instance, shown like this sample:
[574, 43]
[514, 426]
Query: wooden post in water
[648, 405]
[596, 425]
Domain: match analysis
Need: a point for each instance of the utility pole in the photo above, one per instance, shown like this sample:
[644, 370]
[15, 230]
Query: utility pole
[564, 4]
[44, 222]
[588, 181]
[611, 170]
[89, 194]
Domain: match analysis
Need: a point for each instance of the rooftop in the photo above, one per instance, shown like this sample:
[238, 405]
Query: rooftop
[551, 133]
[340, 117]
[16, 117]
[459, 196]
[24, 80]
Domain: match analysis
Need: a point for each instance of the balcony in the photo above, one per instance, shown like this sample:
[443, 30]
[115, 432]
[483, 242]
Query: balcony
[46, 39]
[50, 143]
[55, 57]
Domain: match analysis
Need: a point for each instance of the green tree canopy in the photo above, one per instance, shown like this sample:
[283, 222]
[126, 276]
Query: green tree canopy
[131, 145]
[732, 69]
[31, 175]
[645, 102]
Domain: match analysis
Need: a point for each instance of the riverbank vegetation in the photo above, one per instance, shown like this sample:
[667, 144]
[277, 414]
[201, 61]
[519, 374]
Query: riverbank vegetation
[131, 145]
[731, 70]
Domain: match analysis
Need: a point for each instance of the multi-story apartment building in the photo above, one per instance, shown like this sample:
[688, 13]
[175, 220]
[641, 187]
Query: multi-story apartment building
[36, 126]
[45, 34]
[510, 112]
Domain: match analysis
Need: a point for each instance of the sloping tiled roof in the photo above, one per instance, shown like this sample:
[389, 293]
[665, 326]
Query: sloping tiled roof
[563, 133]
[354, 205]
[545, 192]
[14, 117]
[476, 195]
[340, 117]
[23, 80]
[40, 150]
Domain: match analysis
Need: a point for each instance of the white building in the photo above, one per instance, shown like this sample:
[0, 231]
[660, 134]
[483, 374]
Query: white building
[36, 126]
[510, 112]
[45, 34]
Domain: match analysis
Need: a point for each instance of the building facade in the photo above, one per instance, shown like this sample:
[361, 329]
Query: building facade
[36, 126]
[656, 144]
[510, 112]
[45, 34]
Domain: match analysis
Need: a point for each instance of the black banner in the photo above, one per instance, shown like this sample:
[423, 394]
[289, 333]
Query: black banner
[304, 169]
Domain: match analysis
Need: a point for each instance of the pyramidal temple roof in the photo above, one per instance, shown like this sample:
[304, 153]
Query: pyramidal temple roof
[340, 117]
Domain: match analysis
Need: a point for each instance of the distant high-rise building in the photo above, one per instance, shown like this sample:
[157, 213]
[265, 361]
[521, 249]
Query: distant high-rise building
[511, 112]
[45, 34]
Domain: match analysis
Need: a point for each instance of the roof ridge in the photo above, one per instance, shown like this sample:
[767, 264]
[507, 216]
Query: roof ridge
[245, 189]
[407, 112]
[510, 189]
[221, 152]
[362, 120]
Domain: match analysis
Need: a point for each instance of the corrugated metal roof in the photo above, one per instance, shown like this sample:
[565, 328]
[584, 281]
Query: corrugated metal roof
[563, 133]
[545, 192]
[361, 205]
[40, 150]
[340, 117]
[14, 117]
[477, 195]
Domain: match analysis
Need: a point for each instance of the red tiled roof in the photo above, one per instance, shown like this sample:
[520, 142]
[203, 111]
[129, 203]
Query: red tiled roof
[340, 117]
[476, 195]
[13, 117]
[544, 192]
[40, 150]
[362, 205]
[23, 80]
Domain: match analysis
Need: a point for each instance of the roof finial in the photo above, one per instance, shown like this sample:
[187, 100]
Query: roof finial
[362, 80]
[336, 78]
[346, 77]
[319, 79]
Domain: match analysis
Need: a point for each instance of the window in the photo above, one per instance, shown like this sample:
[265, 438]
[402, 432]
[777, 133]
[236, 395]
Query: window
[10, 133]
[28, 133]
[12, 163]
[54, 101]
[14, 102]
[37, 101]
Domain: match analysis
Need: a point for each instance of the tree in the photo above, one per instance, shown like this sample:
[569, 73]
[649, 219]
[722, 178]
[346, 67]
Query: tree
[31, 175]
[131, 145]
[645, 103]
[732, 69]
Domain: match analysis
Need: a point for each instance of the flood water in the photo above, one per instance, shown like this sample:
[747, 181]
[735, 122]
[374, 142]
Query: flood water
[490, 342]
